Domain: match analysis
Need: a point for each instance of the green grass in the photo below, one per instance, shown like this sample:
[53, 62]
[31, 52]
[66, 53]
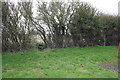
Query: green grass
[0, 66]
[60, 63]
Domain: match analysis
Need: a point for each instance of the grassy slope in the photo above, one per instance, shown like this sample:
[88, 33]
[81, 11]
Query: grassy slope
[0, 66]
[60, 63]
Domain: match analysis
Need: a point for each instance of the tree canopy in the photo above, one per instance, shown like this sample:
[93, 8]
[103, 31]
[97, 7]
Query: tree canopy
[59, 24]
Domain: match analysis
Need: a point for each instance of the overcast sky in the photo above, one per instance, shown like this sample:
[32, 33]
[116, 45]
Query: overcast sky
[106, 6]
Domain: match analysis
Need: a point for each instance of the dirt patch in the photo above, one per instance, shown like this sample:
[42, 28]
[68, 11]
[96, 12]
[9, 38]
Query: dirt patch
[113, 66]
[12, 69]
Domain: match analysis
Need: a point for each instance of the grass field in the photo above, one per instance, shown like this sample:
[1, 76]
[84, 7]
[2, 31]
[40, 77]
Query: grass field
[60, 63]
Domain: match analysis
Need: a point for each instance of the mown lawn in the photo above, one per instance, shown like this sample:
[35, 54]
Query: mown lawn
[59, 63]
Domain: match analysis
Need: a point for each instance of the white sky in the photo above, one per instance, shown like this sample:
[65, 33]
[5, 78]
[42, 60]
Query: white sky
[105, 6]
